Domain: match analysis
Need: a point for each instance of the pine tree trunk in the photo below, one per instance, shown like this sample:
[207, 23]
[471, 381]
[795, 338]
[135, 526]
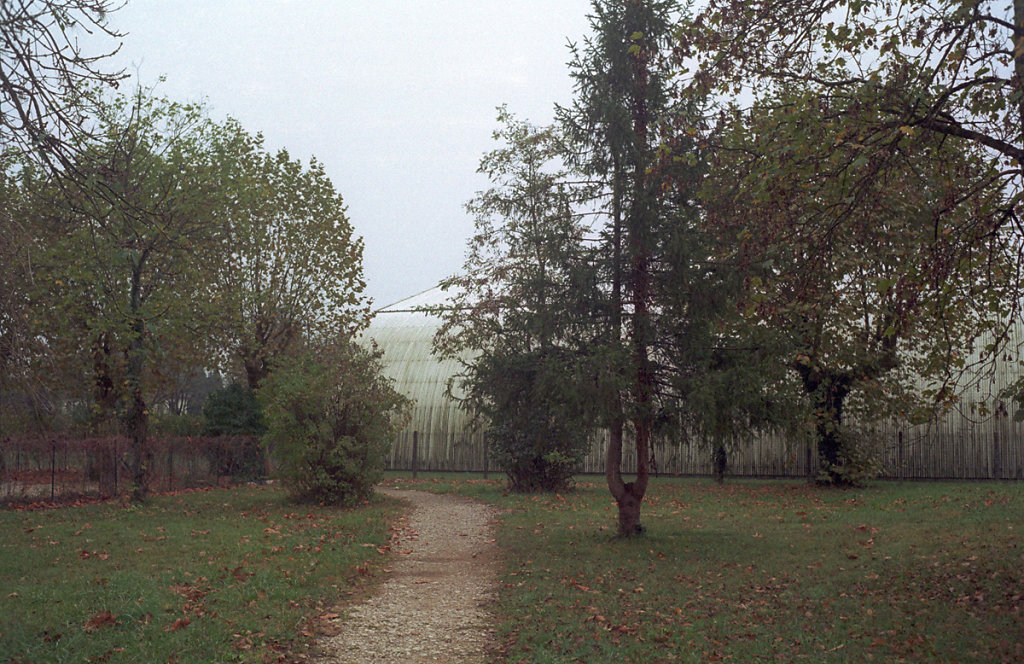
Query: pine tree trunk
[629, 511]
[635, 215]
[640, 227]
[629, 508]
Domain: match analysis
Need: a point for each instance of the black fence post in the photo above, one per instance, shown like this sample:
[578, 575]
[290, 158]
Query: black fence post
[810, 470]
[486, 455]
[997, 469]
[415, 452]
[901, 471]
[53, 469]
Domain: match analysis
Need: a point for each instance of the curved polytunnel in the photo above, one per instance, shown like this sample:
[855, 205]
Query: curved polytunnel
[442, 431]
[958, 444]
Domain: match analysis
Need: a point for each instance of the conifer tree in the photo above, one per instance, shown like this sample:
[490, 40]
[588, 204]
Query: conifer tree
[616, 121]
[519, 318]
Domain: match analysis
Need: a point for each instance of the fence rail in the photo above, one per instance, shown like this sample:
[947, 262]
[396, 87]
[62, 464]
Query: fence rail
[56, 468]
[993, 452]
[59, 467]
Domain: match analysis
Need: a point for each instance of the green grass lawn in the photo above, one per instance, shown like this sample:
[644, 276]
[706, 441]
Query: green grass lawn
[215, 576]
[762, 571]
[750, 571]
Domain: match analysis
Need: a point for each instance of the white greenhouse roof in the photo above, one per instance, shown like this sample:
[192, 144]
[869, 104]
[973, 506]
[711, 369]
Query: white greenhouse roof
[406, 335]
[429, 298]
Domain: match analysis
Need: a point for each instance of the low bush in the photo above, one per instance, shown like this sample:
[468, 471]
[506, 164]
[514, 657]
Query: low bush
[539, 428]
[234, 411]
[331, 417]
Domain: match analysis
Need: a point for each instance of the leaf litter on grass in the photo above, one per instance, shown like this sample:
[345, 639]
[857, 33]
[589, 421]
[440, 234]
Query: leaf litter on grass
[766, 570]
[143, 578]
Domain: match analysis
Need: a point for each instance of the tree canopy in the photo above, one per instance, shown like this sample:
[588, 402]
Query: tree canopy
[867, 177]
[207, 253]
[951, 67]
[44, 73]
[290, 265]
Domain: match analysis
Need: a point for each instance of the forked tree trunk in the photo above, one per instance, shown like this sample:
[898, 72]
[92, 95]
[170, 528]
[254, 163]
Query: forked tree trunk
[628, 495]
[639, 220]
[630, 170]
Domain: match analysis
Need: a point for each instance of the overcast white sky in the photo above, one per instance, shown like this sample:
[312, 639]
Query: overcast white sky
[396, 97]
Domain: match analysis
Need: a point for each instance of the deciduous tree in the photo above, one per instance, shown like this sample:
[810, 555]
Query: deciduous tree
[878, 147]
[878, 270]
[292, 263]
[124, 272]
[45, 72]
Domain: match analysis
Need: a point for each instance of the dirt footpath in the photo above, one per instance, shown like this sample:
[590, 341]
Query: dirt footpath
[432, 607]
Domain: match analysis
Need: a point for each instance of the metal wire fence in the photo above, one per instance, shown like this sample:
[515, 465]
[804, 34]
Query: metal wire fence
[58, 468]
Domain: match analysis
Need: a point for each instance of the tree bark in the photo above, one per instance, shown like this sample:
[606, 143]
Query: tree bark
[830, 421]
[629, 496]
[1018, 61]
[104, 391]
[721, 463]
[137, 416]
[829, 390]
[255, 370]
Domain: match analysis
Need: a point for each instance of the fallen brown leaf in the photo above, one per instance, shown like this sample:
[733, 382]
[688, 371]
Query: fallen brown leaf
[99, 621]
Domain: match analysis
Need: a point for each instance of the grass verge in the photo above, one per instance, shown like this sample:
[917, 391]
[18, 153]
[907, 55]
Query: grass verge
[762, 571]
[236, 575]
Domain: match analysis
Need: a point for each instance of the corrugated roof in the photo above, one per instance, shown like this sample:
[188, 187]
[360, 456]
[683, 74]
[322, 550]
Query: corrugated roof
[432, 297]
[406, 335]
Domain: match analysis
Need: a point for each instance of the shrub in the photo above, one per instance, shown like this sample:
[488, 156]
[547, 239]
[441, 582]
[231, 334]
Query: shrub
[859, 458]
[331, 417]
[234, 411]
[539, 426]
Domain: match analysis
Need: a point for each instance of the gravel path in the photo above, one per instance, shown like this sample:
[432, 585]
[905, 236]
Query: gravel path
[432, 607]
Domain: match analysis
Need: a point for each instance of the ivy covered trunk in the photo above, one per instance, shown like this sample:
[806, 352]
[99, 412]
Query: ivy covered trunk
[139, 453]
[828, 390]
[829, 412]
